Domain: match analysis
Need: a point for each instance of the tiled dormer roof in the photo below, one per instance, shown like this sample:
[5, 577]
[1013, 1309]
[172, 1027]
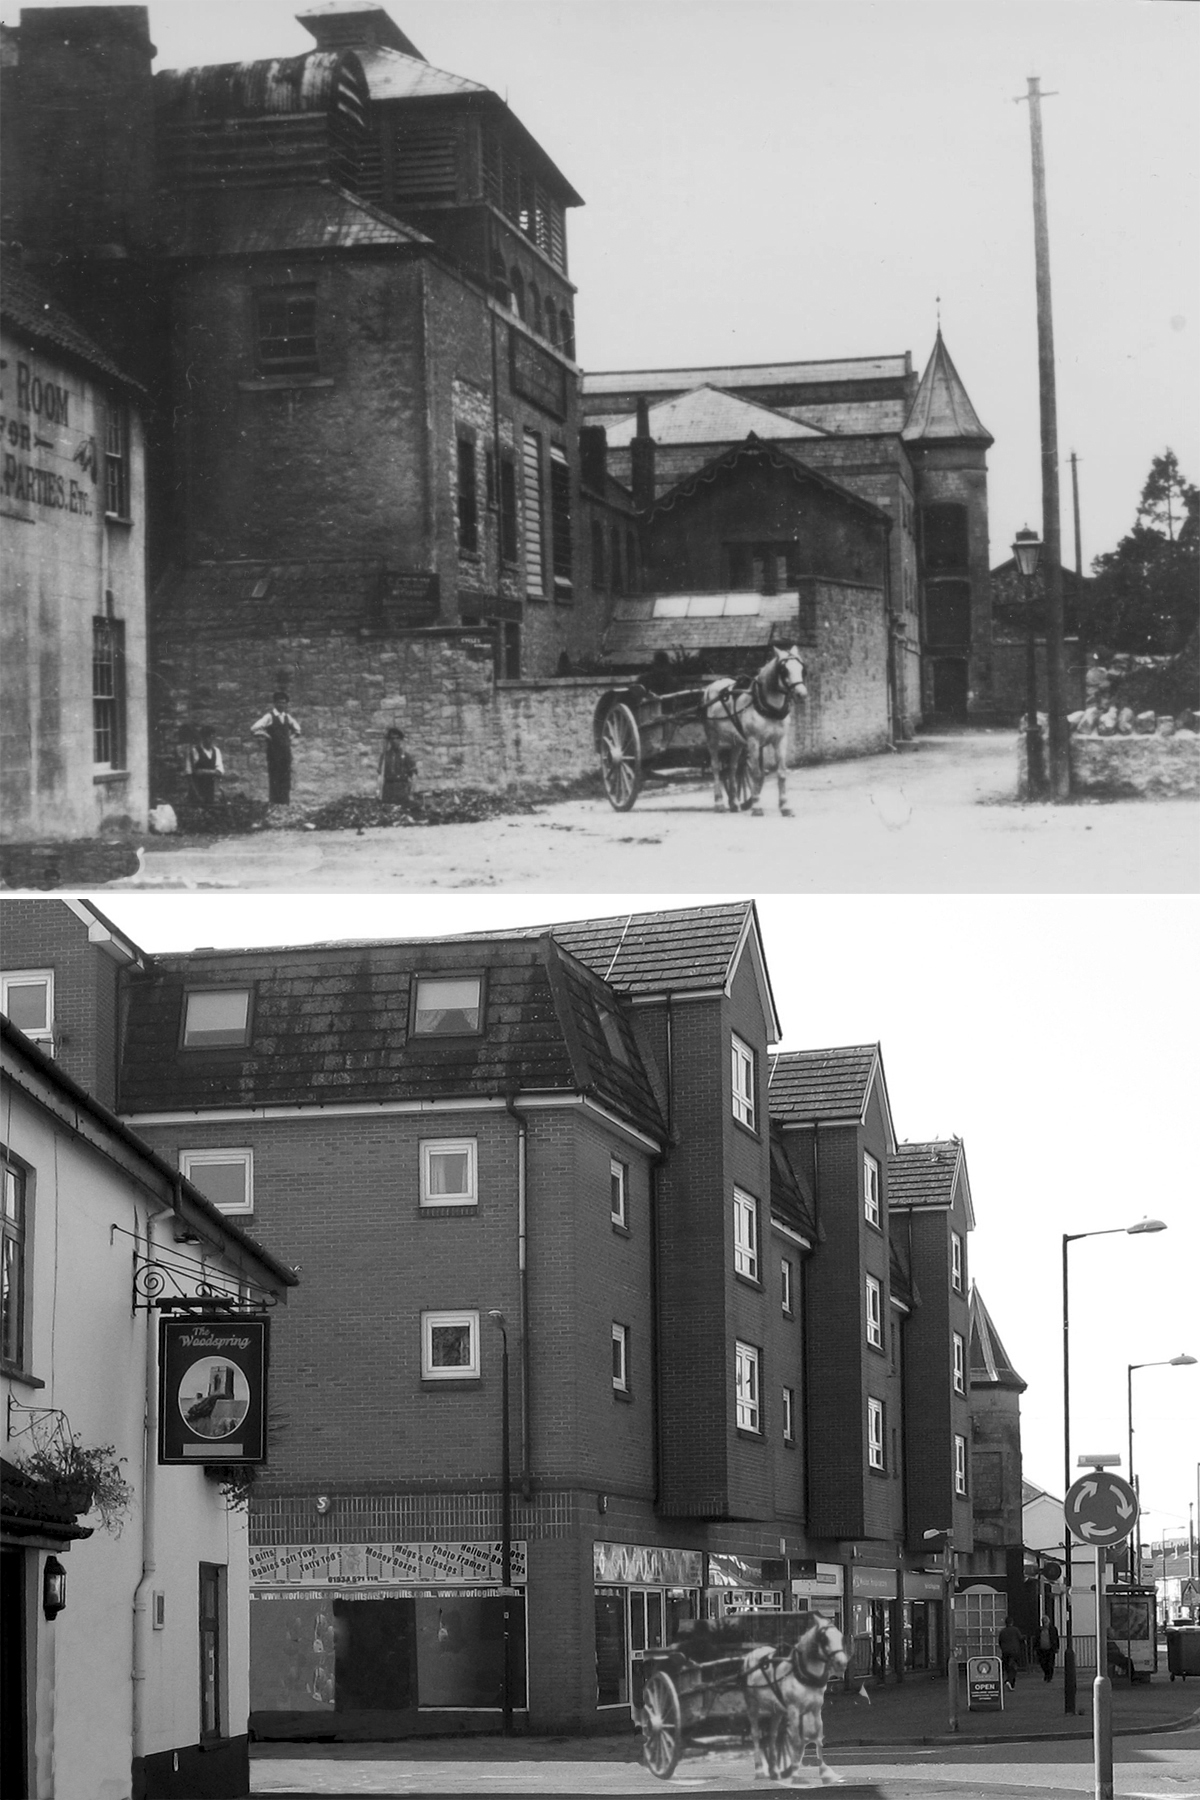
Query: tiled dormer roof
[330, 1026]
[991, 1365]
[688, 949]
[927, 1175]
[807, 1085]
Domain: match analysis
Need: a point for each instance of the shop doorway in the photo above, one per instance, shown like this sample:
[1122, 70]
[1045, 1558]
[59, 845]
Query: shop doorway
[14, 1766]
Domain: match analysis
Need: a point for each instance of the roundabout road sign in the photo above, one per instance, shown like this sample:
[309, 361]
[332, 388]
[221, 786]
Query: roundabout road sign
[1101, 1508]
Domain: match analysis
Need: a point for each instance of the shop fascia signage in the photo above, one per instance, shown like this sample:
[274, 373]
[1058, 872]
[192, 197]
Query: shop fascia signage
[375, 1565]
[879, 1584]
[646, 1565]
[212, 1390]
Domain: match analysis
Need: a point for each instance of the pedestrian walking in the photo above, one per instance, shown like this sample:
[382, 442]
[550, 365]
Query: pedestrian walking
[1046, 1646]
[396, 769]
[204, 765]
[277, 728]
[1011, 1644]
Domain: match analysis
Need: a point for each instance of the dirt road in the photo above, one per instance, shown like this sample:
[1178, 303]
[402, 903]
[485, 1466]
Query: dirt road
[937, 818]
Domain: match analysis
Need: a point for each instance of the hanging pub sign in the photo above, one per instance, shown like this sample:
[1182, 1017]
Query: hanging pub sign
[212, 1390]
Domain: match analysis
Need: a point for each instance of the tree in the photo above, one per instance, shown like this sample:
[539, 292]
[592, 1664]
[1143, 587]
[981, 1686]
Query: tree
[1166, 498]
[1146, 594]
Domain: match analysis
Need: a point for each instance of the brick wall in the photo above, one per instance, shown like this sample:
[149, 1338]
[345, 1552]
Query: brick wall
[940, 1413]
[45, 934]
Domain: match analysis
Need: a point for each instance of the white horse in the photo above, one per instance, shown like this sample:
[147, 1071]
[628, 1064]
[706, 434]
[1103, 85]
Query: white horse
[744, 719]
[785, 1692]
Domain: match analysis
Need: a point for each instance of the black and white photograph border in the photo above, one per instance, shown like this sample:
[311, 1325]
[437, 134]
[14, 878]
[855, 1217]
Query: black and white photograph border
[414, 414]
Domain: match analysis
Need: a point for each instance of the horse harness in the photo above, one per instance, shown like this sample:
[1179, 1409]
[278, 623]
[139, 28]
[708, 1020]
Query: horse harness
[801, 1672]
[758, 697]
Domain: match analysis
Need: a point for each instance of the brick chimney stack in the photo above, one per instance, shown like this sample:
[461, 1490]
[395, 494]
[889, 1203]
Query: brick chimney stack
[641, 451]
[85, 134]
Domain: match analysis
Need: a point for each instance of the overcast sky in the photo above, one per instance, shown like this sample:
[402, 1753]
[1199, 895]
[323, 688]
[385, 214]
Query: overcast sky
[1056, 1037]
[773, 180]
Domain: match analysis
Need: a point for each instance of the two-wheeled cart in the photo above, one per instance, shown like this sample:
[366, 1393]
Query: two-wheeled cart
[642, 735]
[692, 1693]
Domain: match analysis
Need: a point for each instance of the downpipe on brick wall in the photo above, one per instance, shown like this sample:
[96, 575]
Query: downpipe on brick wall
[523, 1278]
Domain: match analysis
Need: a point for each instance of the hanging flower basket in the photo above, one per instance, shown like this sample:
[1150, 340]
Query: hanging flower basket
[81, 1481]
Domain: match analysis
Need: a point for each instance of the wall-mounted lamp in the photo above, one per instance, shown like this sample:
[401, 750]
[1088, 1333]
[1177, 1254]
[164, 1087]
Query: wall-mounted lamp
[54, 1587]
[324, 1503]
[601, 1503]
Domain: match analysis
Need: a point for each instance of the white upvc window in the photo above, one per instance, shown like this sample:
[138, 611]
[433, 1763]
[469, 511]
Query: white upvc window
[874, 1312]
[789, 1415]
[747, 1387]
[956, 1262]
[27, 996]
[960, 1364]
[745, 1235]
[619, 1181]
[450, 1346]
[960, 1464]
[875, 1456]
[449, 1172]
[787, 1290]
[226, 1177]
[870, 1188]
[620, 1358]
[742, 1060]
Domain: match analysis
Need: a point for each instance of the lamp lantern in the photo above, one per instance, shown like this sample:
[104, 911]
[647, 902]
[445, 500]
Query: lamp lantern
[54, 1587]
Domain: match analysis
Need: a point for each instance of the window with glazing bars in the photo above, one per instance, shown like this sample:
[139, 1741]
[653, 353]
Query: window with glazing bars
[108, 693]
[468, 503]
[212, 1651]
[116, 462]
[12, 1265]
[533, 515]
[287, 332]
[560, 517]
[747, 1387]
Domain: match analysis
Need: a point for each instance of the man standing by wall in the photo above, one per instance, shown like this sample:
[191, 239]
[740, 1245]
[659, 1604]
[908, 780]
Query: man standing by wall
[277, 728]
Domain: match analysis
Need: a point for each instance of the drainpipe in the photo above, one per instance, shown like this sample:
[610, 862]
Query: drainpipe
[523, 1278]
[142, 1596]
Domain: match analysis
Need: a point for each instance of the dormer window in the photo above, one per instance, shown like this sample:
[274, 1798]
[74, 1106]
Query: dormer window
[27, 996]
[216, 1018]
[447, 1006]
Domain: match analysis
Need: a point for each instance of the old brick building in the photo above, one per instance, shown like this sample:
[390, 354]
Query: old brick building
[733, 1356]
[913, 447]
[343, 278]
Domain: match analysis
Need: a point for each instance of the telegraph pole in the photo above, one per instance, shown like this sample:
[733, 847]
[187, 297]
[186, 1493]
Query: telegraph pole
[1083, 636]
[1058, 769]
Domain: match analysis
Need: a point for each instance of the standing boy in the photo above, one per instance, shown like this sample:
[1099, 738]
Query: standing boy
[277, 728]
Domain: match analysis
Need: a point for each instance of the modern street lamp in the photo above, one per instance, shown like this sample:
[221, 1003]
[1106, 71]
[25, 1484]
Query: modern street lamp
[948, 1580]
[1183, 1361]
[499, 1321]
[1142, 1226]
[1027, 553]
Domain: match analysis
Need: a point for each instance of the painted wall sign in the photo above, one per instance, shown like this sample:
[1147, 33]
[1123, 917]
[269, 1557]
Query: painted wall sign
[41, 417]
[537, 376]
[212, 1390]
[646, 1565]
[392, 1565]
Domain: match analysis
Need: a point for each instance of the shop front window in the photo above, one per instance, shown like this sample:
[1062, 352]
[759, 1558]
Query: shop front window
[612, 1661]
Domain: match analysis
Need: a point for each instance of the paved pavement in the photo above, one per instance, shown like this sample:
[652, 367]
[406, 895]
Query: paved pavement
[938, 817]
[894, 1745]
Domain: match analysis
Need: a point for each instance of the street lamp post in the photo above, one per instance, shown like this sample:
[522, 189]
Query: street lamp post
[1142, 1226]
[948, 1580]
[1027, 553]
[1183, 1361]
[499, 1321]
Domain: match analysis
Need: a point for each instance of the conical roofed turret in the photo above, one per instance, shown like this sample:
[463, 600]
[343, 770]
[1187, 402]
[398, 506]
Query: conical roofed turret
[941, 408]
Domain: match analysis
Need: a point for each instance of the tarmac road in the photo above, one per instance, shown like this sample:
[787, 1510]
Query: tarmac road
[938, 817]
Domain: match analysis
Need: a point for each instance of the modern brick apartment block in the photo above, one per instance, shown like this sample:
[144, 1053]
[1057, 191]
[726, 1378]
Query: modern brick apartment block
[573, 1150]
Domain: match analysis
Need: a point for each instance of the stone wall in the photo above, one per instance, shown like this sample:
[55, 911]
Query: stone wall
[846, 712]
[1155, 767]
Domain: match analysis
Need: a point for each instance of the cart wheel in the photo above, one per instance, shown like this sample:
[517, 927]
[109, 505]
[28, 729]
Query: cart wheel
[662, 1726]
[739, 782]
[621, 756]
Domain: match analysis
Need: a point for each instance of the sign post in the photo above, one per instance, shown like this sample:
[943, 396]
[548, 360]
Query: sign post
[1101, 1510]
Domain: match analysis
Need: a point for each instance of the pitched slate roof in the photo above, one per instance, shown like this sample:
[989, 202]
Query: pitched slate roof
[330, 1025]
[927, 1175]
[391, 75]
[261, 220]
[634, 633]
[991, 1365]
[853, 418]
[35, 313]
[941, 408]
[691, 949]
[804, 1085]
[736, 375]
[706, 415]
[754, 452]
